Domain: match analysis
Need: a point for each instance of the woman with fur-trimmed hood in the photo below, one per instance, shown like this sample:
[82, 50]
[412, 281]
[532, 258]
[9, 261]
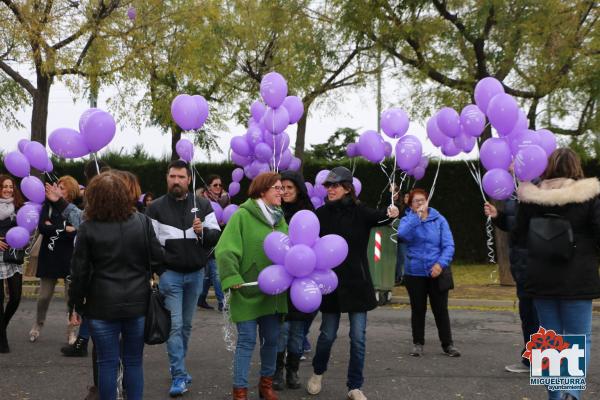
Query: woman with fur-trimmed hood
[564, 208]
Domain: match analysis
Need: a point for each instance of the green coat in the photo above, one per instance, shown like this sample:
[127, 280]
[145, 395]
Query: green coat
[240, 258]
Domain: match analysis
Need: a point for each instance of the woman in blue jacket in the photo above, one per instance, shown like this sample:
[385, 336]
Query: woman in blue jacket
[430, 250]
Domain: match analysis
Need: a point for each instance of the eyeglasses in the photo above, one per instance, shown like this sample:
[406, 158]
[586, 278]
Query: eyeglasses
[216, 185]
[277, 188]
[418, 201]
[328, 185]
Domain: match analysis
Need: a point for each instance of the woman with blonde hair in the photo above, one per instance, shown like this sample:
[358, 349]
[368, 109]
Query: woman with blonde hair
[55, 255]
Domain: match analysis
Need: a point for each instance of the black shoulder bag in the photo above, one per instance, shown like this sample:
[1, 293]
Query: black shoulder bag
[158, 318]
[551, 237]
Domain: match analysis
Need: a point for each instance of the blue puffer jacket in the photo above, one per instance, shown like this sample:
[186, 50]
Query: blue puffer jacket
[428, 242]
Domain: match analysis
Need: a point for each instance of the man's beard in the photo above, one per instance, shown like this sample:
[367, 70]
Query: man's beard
[177, 191]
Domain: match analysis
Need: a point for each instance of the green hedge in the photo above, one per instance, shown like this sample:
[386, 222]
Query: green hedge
[456, 195]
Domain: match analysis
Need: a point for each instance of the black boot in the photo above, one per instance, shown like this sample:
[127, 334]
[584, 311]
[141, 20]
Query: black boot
[3, 341]
[291, 367]
[77, 349]
[278, 382]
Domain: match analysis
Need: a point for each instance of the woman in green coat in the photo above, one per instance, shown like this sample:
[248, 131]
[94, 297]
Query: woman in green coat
[240, 258]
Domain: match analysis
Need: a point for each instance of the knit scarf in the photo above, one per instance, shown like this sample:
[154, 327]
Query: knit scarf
[273, 214]
[7, 208]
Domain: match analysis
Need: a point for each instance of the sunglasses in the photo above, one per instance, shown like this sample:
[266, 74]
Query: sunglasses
[328, 185]
[216, 185]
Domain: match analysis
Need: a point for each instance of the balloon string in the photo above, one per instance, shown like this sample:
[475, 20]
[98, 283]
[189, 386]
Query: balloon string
[382, 166]
[433, 185]
[96, 161]
[394, 180]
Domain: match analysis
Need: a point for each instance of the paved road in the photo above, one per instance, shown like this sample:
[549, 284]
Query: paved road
[487, 339]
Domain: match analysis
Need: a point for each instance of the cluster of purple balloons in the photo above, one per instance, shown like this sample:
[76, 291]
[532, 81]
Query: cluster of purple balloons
[527, 149]
[223, 214]
[303, 262]
[454, 133]
[371, 146]
[236, 177]
[29, 154]
[96, 130]
[318, 193]
[265, 145]
[189, 112]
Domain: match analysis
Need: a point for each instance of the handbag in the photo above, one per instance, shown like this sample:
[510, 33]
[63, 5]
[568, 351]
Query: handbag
[551, 237]
[157, 326]
[445, 280]
[34, 254]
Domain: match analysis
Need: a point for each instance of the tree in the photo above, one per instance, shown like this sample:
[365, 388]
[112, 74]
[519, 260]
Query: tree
[42, 41]
[299, 40]
[335, 147]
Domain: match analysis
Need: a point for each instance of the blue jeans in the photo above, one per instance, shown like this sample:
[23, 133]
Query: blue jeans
[291, 337]
[268, 332]
[211, 276]
[115, 340]
[181, 292]
[358, 339]
[400, 259]
[567, 317]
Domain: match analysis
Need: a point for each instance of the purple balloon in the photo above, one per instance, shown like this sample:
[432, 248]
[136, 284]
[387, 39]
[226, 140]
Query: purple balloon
[522, 139]
[131, 13]
[305, 295]
[273, 89]
[202, 105]
[498, 184]
[321, 175]
[85, 116]
[331, 251]
[503, 112]
[17, 164]
[521, 125]
[185, 150]
[371, 146]
[394, 122]
[316, 202]
[98, 130]
[274, 280]
[28, 217]
[387, 149]
[465, 142]
[229, 210]
[49, 166]
[21, 145]
[326, 280]
[276, 120]
[530, 162]
[320, 191]
[295, 164]
[263, 152]
[237, 175]
[449, 149]
[36, 154]
[304, 228]
[36, 206]
[240, 160]
[283, 162]
[485, 90]
[240, 145]
[234, 187]
[352, 150]
[423, 162]
[276, 246]
[294, 107]
[300, 260]
[282, 141]
[218, 210]
[448, 121]
[472, 120]
[17, 237]
[257, 109]
[184, 111]
[67, 143]
[408, 152]
[357, 185]
[309, 188]
[434, 133]
[547, 141]
[418, 173]
[250, 171]
[495, 153]
[33, 189]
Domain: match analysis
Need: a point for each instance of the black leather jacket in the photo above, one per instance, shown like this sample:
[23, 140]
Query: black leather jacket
[111, 266]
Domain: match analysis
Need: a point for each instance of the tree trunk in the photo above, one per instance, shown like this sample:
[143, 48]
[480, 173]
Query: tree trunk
[175, 136]
[301, 134]
[502, 254]
[39, 114]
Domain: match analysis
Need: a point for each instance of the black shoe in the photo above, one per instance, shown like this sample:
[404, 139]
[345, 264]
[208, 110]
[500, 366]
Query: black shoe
[451, 351]
[291, 371]
[77, 349]
[204, 304]
[278, 383]
[417, 350]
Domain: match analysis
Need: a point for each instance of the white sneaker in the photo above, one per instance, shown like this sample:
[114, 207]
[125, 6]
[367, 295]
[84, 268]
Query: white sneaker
[356, 394]
[518, 368]
[313, 386]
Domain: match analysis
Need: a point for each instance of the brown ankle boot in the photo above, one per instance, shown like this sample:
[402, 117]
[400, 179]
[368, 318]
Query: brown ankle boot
[240, 394]
[265, 388]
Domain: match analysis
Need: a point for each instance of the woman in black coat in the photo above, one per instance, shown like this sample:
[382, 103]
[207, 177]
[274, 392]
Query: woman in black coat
[115, 254]
[291, 336]
[343, 215]
[55, 255]
[562, 273]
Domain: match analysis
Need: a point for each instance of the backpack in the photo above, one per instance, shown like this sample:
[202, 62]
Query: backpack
[551, 238]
